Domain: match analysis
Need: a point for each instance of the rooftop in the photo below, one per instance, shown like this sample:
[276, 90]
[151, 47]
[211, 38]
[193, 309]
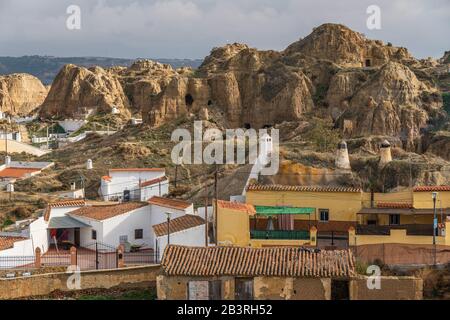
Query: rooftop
[8, 242]
[178, 224]
[239, 206]
[395, 205]
[246, 261]
[62, 204]
[11, 172]
[170, 203]
[431, 188]
[153, 181]
[100, 213]
[278, 187]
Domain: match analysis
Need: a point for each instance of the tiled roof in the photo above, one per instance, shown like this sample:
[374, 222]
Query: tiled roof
[431, 188]
[62, 204]
[246, 261]
[250, 209]
[178, 224]
[136, 169]
[395, 205]
[278, 187]
[8, 242]
[17, 172]
[106, 212]
[153, 181]
[107, 178]
[169, 203]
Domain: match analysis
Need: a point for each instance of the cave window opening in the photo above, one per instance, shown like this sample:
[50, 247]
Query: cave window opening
[247, 126]
[267, 126]
[368, 63]
[189, 100]
[209, 102]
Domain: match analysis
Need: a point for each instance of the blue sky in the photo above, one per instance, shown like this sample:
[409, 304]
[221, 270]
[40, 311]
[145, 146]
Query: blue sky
[190, 28]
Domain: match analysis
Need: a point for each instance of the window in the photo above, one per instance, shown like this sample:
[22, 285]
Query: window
[204, 290]
[394, 219]
[123, 239]
[94, 234]
[324, 215]
[139, 233]
[243, 289]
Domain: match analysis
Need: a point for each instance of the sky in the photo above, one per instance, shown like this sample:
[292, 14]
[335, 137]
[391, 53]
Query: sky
[191, 28]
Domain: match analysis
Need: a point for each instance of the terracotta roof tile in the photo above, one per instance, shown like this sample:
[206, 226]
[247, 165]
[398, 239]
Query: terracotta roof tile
[395, 205]
[8, 242]
[153, 181]
[169, 203]
[278, 187]
[107, 178]
[136, 169]
[431, 188]
[246, 261]
[17, 172]
[62, 204]
[106, 212]
[178, 224]
[239, 206]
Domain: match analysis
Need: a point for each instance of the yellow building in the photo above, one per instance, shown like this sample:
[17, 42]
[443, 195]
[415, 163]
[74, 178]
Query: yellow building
[275, 215]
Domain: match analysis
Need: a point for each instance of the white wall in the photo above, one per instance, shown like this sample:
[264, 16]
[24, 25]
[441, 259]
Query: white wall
[189, 237]
[20, 248]
[126, 180]
[155, 190]
[39, 234]
[71, 125]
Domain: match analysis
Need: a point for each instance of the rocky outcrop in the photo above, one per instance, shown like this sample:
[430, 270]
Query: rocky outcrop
[78, 91]
[21, 94]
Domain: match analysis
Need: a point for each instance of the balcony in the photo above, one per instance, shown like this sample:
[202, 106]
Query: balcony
[279, 234]
[411, 229]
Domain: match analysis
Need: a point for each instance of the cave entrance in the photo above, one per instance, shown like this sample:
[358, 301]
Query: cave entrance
[267, 126]
[209, 102]
[368, 63]
[247, 125]
[188, 99]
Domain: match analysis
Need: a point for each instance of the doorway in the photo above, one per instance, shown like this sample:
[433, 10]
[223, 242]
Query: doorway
[76, 237]
[340, 289]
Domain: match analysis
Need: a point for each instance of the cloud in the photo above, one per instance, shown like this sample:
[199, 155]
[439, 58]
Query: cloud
[190, 28]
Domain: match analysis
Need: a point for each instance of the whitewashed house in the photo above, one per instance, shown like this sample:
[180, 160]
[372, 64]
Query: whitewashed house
[134, 184]
[80, 223]
[188, 230]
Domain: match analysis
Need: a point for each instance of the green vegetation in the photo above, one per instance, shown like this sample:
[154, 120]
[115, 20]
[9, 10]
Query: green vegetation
[323, 136]
[446, 99]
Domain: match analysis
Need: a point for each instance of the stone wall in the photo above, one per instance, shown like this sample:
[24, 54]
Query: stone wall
[274, 288]
[44, 284]
[392, 288]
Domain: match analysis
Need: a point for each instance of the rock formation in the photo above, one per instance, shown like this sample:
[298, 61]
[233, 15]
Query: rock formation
[21, 94]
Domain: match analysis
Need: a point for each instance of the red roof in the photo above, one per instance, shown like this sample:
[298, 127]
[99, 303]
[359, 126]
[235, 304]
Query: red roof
[104, 212]
[278, 187]
[136, 169]
[253, 262]
[153, 181]
[395, 205]
[170, 203]
[178, 224]
[17, 172]
[8, 242]
[250, 209]
[431, 188]
[62, 204]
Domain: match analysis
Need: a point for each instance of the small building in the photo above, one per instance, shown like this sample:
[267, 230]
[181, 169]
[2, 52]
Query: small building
[16, 170]
[134, 184]
[16, 136]
[242, 273]
[188, 230]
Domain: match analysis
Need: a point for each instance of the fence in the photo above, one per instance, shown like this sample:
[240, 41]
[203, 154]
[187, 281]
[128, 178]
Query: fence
[90, 256]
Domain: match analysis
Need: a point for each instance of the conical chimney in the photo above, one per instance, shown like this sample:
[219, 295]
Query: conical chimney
[385, 153]
[342, 159]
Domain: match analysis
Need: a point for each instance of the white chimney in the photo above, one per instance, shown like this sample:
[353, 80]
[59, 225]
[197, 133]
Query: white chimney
[72, 186]
[385, 153]
[7, 160]
[342, 159]
[10, 187]
[89, 165]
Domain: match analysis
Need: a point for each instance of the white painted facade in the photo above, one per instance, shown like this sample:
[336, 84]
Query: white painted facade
[15, 136]
[113, 187]
[71, 125]
[189, 237]
[157, 189]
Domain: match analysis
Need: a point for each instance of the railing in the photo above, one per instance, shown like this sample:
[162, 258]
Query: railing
[411, 229]
[280, 234]
[16, 262]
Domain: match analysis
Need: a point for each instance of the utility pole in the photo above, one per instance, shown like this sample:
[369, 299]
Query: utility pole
[176, 175]
[216, 193]
[434, 196]
[206, 213]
